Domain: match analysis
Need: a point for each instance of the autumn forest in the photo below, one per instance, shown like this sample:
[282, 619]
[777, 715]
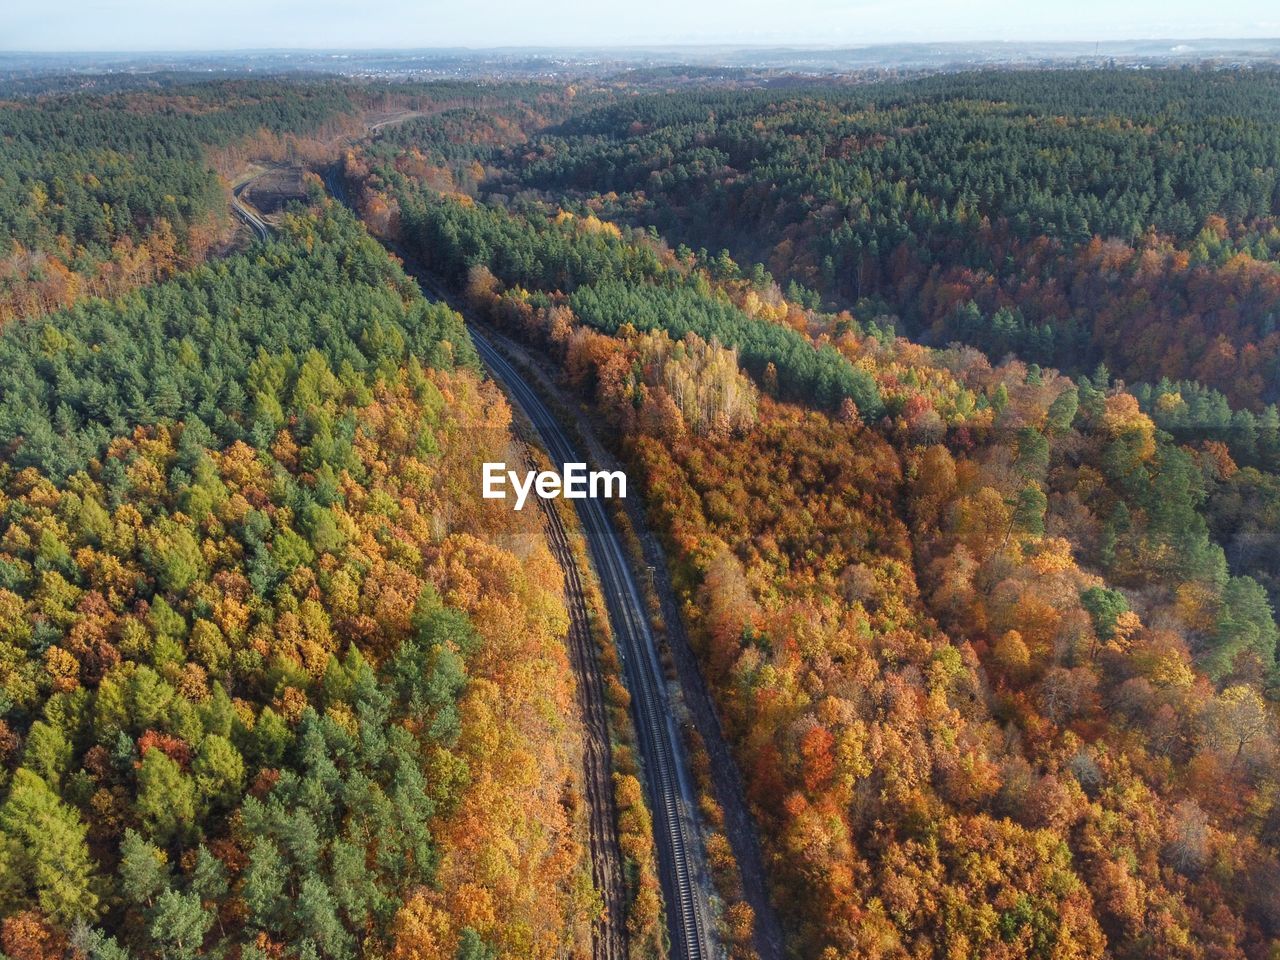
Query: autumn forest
[949, 406]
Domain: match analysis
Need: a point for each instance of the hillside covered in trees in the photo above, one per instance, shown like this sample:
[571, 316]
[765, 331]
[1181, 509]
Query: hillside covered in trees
[273, 678]
[101, 193]
[1069, 217]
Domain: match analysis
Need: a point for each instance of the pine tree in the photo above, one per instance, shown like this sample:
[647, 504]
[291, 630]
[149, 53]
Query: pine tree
[218, 770]
[318, 918]
[301, 838]
[96, 945]
[1029, 511]
[45, 839]
[352, 884]
[144, 871]
[1246, 622]
[209, 877]
[47, 754]
[1104, 606]
[472, 947]
[178, 924]
[1033, 452]
[1062, 412]
[264, 883]
[166, 799]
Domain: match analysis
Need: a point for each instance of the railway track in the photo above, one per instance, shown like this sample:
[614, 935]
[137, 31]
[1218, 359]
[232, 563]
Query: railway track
[665, 763]
[609, 932]
[740, 827]
[247, 214]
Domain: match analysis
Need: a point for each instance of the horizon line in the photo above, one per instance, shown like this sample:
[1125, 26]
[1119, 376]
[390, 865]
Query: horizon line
[611, 46]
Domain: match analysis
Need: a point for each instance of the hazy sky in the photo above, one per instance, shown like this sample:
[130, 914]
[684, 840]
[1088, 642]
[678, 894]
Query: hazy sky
[237, 24]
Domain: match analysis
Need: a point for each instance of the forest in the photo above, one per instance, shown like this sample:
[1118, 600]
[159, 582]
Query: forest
[991, 625]
[272, 676]
[950, 402]
[1069, 217]
[101, 193]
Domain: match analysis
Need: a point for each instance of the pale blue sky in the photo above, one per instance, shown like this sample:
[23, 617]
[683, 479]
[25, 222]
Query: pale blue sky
[237, 24]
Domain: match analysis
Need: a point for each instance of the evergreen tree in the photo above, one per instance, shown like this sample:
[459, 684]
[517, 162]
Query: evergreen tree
[178, 924]
[166, 799]
[263, 890]
[218, 770]
[144, 871]
[317, 917]
[45, 842]
[1246, 622]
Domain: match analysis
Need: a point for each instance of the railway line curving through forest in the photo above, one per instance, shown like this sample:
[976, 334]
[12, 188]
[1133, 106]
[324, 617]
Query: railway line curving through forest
[245, 213]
